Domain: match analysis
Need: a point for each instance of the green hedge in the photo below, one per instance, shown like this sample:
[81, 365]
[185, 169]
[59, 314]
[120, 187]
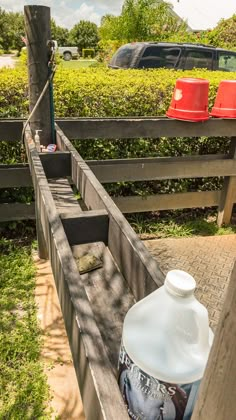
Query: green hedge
[88, 52]
[102, 92]
[13, 93]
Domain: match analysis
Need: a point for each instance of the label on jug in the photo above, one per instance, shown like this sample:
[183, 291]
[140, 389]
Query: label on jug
[148, 398]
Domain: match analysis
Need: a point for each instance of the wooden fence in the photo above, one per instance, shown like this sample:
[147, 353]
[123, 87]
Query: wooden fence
[94, 316]
[142, 169]
[94, 304]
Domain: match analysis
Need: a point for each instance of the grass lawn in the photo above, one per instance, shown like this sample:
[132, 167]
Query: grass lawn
[178, 224]
[72, 64]
[76, 64]
[23, 388]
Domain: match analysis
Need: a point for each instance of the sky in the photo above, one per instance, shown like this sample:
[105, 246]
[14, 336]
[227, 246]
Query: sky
[200, 14]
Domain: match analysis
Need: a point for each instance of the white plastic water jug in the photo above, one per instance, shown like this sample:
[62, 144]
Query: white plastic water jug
[165, 346]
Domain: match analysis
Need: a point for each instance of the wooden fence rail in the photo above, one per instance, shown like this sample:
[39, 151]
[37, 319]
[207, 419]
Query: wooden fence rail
[148, 169]
[10, 212]
[128, 128]
[139, 204]
[107, 171]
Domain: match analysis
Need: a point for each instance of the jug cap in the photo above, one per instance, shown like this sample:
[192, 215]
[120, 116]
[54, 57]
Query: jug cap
[180, 283]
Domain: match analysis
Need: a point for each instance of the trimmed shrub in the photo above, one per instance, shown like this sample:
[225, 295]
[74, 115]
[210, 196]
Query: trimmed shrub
[88, 52]
[102, 92]
[14, 100]
[23, 56]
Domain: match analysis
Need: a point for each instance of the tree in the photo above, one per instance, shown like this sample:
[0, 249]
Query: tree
[2, 26]
[111, 28]
[59, 34]
[136, 21]
[142, 20]
[16, 28]
[224, 34]
[11, 30]
[84, 35]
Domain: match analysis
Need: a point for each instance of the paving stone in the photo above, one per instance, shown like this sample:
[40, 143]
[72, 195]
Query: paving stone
[209, 260]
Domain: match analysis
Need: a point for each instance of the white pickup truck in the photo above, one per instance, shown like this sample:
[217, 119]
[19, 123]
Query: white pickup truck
[67, 52]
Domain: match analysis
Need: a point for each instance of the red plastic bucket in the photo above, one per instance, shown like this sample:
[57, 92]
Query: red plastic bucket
[190, 100]
[225, 102]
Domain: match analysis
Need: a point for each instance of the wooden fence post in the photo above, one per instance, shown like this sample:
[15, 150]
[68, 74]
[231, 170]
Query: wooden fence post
[38, 33]
[228, 192]
[217, 391]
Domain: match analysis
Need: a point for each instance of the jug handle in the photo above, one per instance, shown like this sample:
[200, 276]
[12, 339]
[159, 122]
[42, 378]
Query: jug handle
[202, 321]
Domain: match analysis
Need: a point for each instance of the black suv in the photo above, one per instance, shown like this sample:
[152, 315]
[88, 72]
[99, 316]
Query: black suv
[143, 55]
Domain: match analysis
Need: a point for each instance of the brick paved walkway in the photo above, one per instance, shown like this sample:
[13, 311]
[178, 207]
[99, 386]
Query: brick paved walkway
[208, 259]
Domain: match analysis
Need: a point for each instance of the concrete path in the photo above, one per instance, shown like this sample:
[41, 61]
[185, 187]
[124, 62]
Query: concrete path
[66, 400]
[208, 259]
[7, 61]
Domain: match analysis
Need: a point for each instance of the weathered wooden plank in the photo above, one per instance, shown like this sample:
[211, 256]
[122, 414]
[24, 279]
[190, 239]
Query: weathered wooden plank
[216, 396]
[63, 195]
[228, 196]
[139, 269]
[149, 127]
[91, 362]
[56, 165]
[89, 226]
[43, 252]
[64, 200]
[162, 168]
[17, 211]
[114, 128]
[110, 298]
[132, 204]
[138, 204]
[17, 175]
[59, 165]
[11, 129]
